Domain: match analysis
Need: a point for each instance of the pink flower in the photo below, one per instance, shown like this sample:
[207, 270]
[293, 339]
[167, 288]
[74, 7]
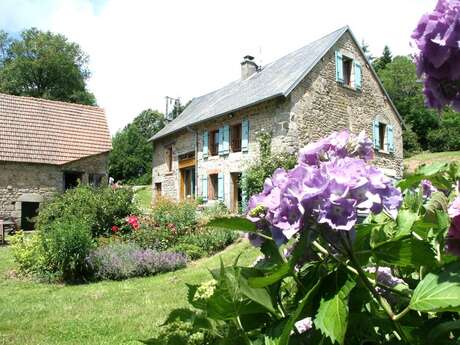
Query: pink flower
[133, 221]
[115, 228]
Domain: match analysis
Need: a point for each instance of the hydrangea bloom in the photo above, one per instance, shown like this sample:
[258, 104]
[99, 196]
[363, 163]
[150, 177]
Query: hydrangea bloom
[304, 325]
[427, 188]
[330, 185]
[437, 36]
[453, 236]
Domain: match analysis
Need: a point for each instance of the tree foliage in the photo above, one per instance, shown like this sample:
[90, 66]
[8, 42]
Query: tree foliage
[131, 157]
[45, 65]
[381, 62]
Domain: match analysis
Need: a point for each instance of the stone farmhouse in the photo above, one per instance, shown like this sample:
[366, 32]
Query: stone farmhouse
[47, 147]
[325, 86]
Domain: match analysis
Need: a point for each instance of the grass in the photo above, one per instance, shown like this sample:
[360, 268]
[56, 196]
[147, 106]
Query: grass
[430, 157]
[110, 312]
[143, 196]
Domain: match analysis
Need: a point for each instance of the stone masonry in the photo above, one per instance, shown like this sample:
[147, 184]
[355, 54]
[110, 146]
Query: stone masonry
[316, 107]
[29, 182]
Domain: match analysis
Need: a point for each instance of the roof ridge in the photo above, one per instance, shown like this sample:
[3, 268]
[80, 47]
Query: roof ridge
[45, 100]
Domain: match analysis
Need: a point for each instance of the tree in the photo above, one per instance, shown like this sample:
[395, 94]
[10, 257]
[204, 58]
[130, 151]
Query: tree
[400, 80]
[367, 51]
[381, 62]
[131, 156]
[45, 65]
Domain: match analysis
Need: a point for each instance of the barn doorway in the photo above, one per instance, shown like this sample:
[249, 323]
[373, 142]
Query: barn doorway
[29, 212]
[72, 179]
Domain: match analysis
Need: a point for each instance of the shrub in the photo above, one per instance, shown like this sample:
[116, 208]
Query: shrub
[66, 243]
[217, 210]
[179, 215]
[101, 208]
[192, 251]
[124, 260]
[27, 252]
[208, 240]
[159, 239]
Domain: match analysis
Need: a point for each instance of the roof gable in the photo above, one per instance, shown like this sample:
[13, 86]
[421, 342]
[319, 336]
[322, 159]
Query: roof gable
[50, 132]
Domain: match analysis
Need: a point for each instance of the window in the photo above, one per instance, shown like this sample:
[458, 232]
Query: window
[347, 68]
[168, 158]
[214, 143]
[236, 138]
[95, 180]
[382, 136]
[213, 187]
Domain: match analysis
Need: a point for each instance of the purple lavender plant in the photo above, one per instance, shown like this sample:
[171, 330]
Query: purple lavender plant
[329, 186]
[437, 36]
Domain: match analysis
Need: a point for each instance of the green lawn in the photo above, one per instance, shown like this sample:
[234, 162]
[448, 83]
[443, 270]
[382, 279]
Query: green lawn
[427, 158]
[143, 196]
[100, 313]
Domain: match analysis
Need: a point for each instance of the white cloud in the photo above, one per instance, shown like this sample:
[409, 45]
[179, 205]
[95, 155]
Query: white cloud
[142, 50]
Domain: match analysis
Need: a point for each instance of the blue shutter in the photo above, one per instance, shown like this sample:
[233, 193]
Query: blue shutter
[205, 144]
[204, 187]
[358, 76]
[226, 144]
[221, 140]
[245, 135]
[390, 141]
[220, 187]
[338, 67]
[376, 134]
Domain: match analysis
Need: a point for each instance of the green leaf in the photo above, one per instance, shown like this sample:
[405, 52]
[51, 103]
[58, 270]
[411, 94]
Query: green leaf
[274, 276]
[405, 221]
[442, 329]
[233, 223]
[405, 252]
[332, 316]
[438, 292]
[284, 339]
[438, 201]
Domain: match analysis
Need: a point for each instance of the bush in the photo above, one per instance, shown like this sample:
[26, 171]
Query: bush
[27, 252]
[66, 243]
[192, 251]
[217, 210]
[159, 239]
[124, 260]
[208, 240]
[101, 208]
[179, 215]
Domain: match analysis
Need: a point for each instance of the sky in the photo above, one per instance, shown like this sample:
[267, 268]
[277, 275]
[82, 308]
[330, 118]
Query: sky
[144, 50]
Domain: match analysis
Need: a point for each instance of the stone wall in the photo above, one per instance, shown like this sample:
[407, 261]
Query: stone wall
[28, 182]
[315, 108]
[320, 106]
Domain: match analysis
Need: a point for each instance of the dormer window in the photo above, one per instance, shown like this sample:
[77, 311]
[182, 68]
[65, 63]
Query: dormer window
[348, 72]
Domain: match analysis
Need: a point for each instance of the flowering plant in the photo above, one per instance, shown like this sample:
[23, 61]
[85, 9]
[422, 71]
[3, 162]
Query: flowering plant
[348, 257]
[437, 37]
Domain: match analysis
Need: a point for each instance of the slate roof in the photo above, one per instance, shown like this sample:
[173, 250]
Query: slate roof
[275, 79]
[36, 130]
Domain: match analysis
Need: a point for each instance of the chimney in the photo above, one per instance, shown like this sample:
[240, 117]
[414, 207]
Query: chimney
[248, 67]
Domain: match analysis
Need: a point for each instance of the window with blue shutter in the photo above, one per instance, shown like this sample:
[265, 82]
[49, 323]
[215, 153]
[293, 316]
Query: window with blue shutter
[358, 76]
[221, 140]
[376, 134]
[204, 187]
[226, 143]
[390, 141]
[220, 187]
[205, 144]
[338, 67]
[245, 135]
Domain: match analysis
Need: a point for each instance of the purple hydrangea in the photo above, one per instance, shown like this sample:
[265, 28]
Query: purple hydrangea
[427, 188]
[330, 185]
[437, 36]
[453, 236]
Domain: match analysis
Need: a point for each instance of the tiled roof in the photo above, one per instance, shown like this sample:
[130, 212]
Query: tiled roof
[36, 130]
[275, 79]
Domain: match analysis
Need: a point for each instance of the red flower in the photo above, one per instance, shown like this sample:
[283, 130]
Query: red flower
[115, 228]
[133, 221]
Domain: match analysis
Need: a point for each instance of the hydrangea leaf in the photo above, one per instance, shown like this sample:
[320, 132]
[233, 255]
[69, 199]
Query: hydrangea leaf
[233, 223]
[274, 276]
[438, 292]
[332, 316]
[405, 221]
[405, 252]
